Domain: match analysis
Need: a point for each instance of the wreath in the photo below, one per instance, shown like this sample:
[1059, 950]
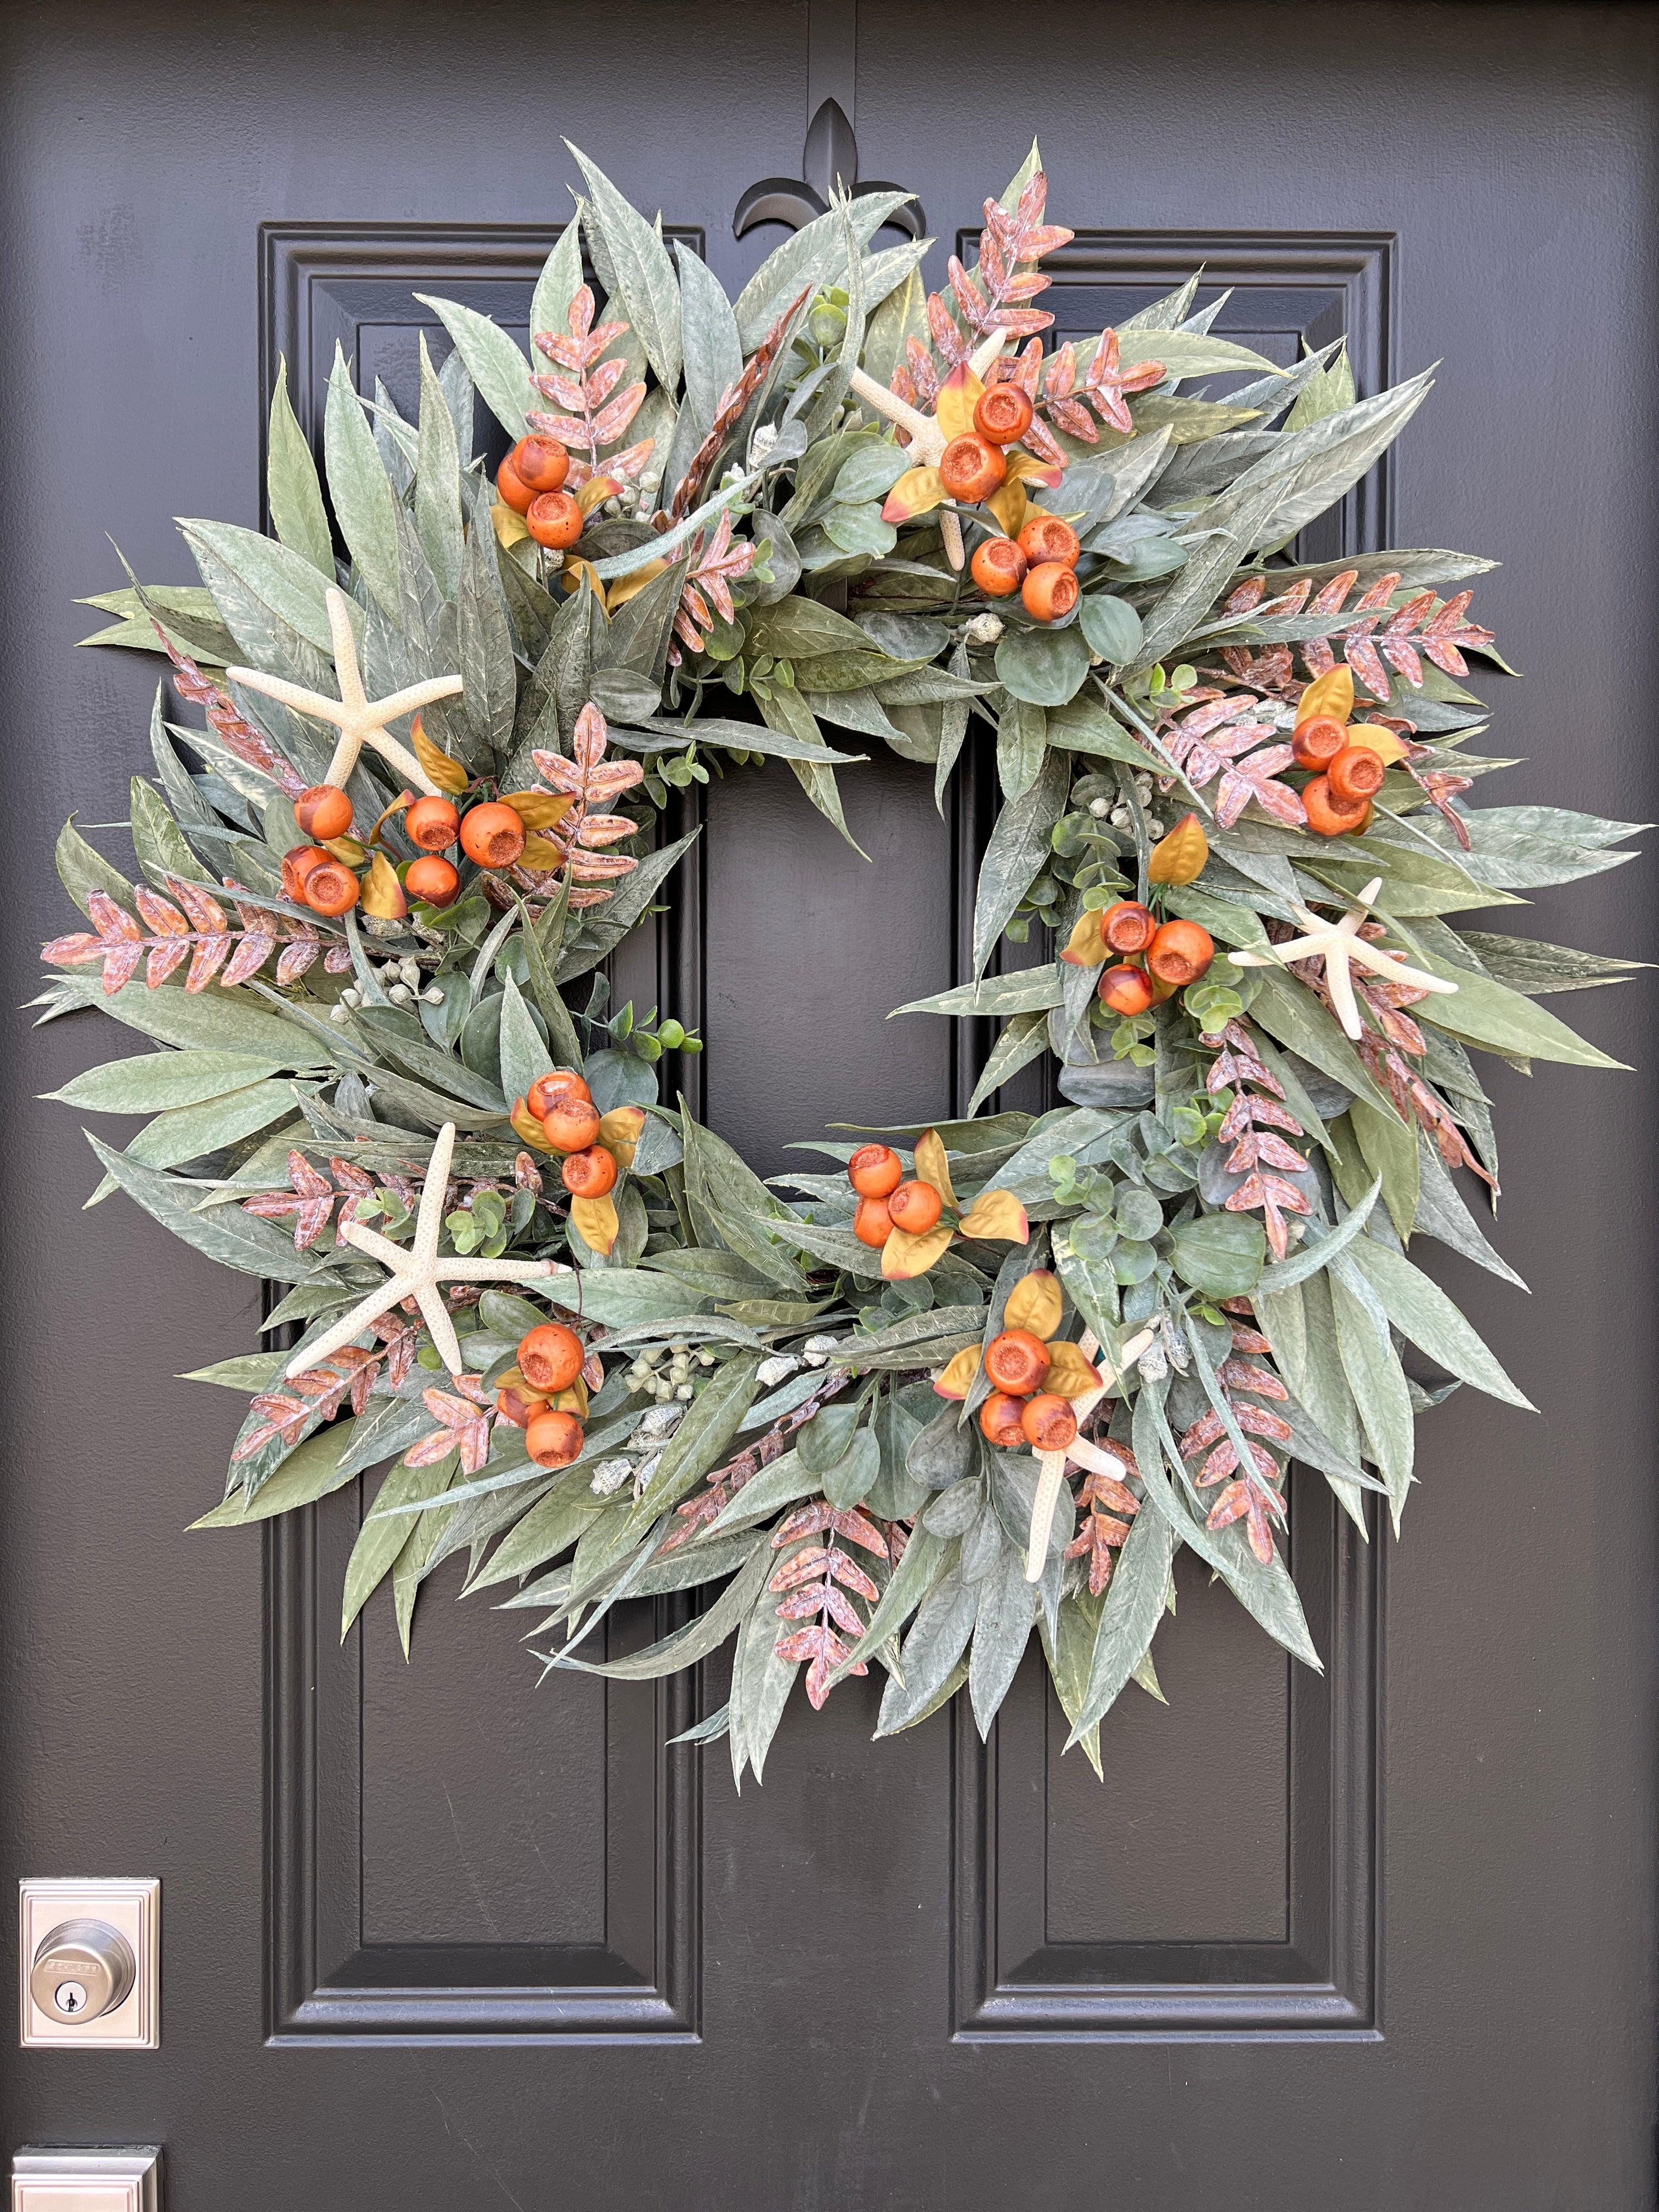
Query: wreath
[968, 1381]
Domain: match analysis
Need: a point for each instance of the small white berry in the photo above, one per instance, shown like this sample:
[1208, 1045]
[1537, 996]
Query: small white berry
[349, 997]
[1100, 808]
[433, 997]
[1154, 827]
[401, 995]
[1121, 817]
[410, 972]
[339, 1014]
[778, 1369]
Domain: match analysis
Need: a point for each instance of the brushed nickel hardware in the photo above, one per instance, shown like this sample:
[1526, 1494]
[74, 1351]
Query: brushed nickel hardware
[89, 1964]
[87, 2180]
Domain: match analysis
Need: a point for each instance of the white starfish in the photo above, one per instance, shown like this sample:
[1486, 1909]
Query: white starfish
[1338, 943]
[1099, 1459]
[417, 1271]
[359, 719]
[927, 439]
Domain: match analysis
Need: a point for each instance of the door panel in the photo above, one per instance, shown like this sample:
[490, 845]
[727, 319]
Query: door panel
[1368, 1942]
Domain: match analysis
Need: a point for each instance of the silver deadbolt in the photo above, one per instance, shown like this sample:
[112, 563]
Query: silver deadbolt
[81, 1969]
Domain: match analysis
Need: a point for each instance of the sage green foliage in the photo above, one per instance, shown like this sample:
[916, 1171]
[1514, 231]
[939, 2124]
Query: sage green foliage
[1243, 1238]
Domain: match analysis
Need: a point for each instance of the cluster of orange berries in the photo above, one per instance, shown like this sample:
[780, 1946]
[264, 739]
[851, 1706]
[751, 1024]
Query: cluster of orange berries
[531, 481]
[1160, 958]
[491, 834]
[1041, 563]
[1338, 799]
[550, 1364]
[886, 1201]
[561, 1101]
[1019, 1411]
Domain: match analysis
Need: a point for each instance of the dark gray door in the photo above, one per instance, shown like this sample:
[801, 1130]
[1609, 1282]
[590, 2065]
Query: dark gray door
[435, 1939]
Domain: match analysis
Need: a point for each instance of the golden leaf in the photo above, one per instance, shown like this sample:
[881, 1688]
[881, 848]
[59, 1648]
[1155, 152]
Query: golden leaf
[619, 1133]
[997, 1214]
[437, 767]
[1010, 506]
[1036, 1302]
[511, 528]
[1330, 694]
[1180, 857]
[403, 798]
[959, 396]
[933, 1169]
[511, 1379]
[625, 587]
[347, 849]
[903, 1256]
[957, 1378]
[1378, 740]
[529, 1127]
[383, 895]
[1069, 1372]
[574, 1400]
[540, 855]
[1086, 945]
[538, 809]
[1027, 466]
[917, 492]
[575, 568]
[596, 1223]
[592, 493]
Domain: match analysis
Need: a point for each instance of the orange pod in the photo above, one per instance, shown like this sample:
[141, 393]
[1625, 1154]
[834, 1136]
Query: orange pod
[1125, 990]
[998, 567]
[875, 1171]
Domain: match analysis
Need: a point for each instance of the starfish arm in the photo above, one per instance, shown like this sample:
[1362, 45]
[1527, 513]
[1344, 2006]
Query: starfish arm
[988, 350]
[345, 648]
[1051, 1476]
[1368, 892]
[349, 1326]
[291, 695]
[436, 1316]
[920, 427]
[395, 1256]
[950, 531]
[1340, 983]
[493, 1270]
[1096, 1458]
[343, 758]
[1390, 965]
[429, 1220]
[413, 695]
[395, 755]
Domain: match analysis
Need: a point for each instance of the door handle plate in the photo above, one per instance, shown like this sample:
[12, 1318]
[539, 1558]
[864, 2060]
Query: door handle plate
[87, 2180]
[89, 1964]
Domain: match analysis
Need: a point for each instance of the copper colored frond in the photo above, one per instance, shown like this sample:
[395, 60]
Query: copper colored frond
[249, 744]
[729, 413]
[595, 413]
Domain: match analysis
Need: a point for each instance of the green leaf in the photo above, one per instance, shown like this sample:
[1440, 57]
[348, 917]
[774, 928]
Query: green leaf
[283, 584]
[438, 483]
[1188, 353]
[524, 1057]
[1022, 739]
[1111, 626]
[223, 1023]
[744, 1214]
[1488, 1014]
[1043, 666]
[557, 286]
[1287, 1010]
[1219, 1253]
[827, 1438]
[1002, 1629]
[853, 1475]
[760, 1683]
[1525, 964]
[1328, 390]
[311, 1470]
[81, 870]
[1420, 1309]
[1309, 470]
[1389, 1150]
[364, 505]
[493, 361]
[384, 1533]
[697, 1639]
[786, 710]
[711, 1422]
[292, 491]
[1378, 1384]
[185, 1132]
[226, 1234]
[1026, 1038]
[645, 283]
[156, 840]
[816, 256]
[1018, 848]
[1318, 1248]
[938, 1638]
[1128, 1619]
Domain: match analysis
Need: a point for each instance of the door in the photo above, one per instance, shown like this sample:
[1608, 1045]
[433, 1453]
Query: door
[434, 1938]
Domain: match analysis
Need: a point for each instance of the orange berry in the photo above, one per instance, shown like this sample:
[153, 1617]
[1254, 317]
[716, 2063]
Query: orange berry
[998, 567]
[1046, 538]
[1003, 414]
[551, 1357]
[874, 1170]
[553, 1439]
[1049, 592]
[1125, 990]
[873, 1225]
[1017, 1362]
[971, 468]
[1330, 816]
[323, 811]
[1180, 953]
[555, 518]
[1317, 741]
[298, 862]
[432, 824]
[519, 1406]
[1048, 1423]
[571, 1123]
[1356, 773]
[998, 1421]
[330, 889]
[1128, 926]
[914, 1208]
[511, 490]
[560, 1083]
[430, 879]
[541, 463]
[492, 835]
[590, 1174]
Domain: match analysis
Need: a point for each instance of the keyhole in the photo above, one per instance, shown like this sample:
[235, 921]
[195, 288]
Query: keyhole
[69, 1998]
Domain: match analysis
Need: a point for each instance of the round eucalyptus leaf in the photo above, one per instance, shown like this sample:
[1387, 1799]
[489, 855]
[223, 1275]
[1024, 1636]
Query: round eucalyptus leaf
[826, 1438]
[1132, 1262]
[1219, 1253]
[1138, 1214]
[1044, 667]
[853, 1476]
[1111, 626]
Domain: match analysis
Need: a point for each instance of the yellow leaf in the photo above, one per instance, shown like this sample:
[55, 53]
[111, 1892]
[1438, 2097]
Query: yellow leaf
[347, 849]
[1377, 739]
[1069, 1372]
[1032, 471]
[437, 767]
[1036, 1302]
[574, 1400]
[1330, 694]
[538, 809]
[1086, 945]
[383, 895]
[596, 1223]
[625, 587]
[511, 1379]
[619, 1133]
[1180, 857]
[903, 1256]
[595, 489]
[997, 1214]
[511, 528]
[933, 1169]
[918, 491]
[402, 799]
[575, 568]
[1010, 506]
[540, 855]
[529, 1127]
[959, 396]
[957, 1378]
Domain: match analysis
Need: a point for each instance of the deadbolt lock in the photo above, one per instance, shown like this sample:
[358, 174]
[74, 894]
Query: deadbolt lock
[81, 1969]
